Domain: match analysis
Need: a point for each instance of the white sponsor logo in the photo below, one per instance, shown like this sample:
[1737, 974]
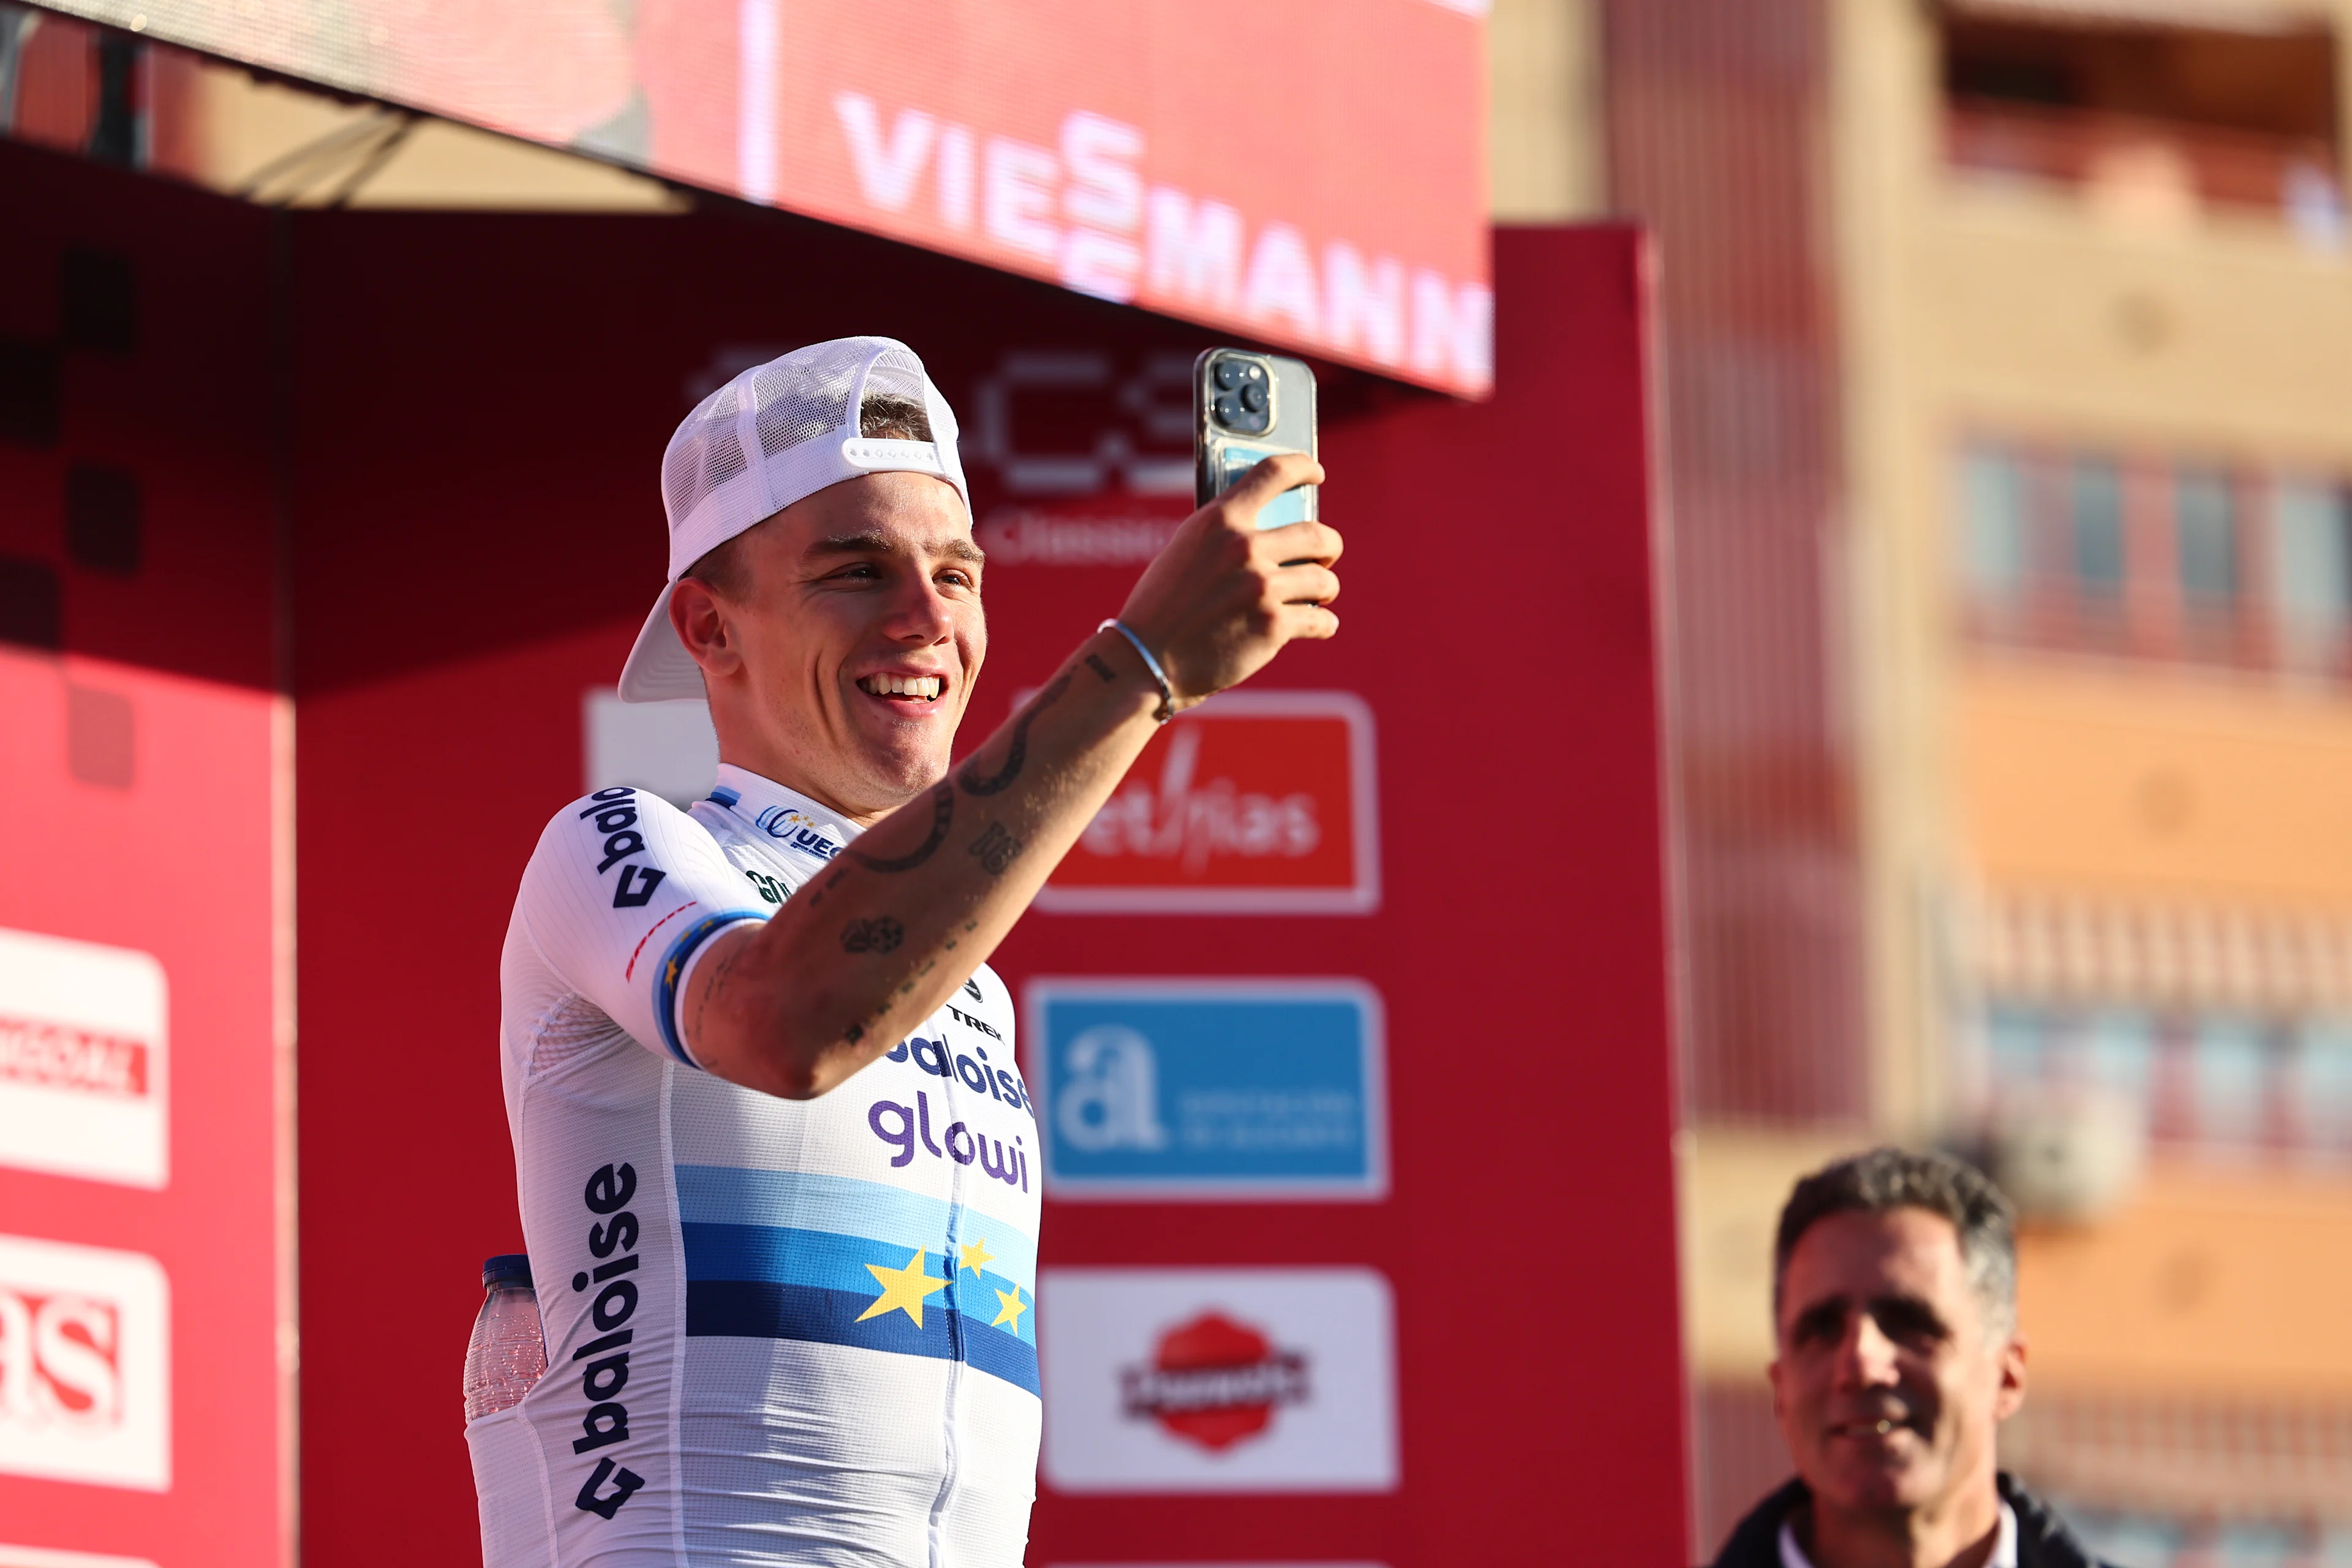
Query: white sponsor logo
[50, 1557]
[84, 1070]
[85, 1374]
[1218, 1380]
[1087, 211]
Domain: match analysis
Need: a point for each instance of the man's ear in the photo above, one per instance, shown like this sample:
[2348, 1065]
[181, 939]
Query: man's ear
[2012, 1394]
[704, 624]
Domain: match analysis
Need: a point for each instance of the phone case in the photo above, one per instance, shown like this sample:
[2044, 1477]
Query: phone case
[1221, 455]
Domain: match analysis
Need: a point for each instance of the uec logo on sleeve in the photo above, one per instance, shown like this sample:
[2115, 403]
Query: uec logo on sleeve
[1185, 1089]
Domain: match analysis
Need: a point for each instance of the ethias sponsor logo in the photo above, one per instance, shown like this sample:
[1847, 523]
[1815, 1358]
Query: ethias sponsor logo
[1254, 803]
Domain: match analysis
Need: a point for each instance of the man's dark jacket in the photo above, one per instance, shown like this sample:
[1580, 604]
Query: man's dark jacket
[2042, 1541]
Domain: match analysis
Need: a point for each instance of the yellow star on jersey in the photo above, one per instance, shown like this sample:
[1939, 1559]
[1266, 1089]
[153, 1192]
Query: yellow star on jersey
[975, 1253]
[1009, 1307]
[903, 1290]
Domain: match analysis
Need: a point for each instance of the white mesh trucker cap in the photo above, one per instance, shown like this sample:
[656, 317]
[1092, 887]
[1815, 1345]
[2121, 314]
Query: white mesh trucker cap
[776, 433]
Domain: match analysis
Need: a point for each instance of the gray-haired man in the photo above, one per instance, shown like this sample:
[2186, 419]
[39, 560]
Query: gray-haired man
[1894, 1315]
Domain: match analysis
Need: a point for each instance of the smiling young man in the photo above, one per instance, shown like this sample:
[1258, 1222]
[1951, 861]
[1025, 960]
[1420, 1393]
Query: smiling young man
[778, 1167]
[1895, 1314]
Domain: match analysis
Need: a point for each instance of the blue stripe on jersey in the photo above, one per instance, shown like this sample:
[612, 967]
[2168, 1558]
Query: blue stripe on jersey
[844, 1205]
[823, 1260]
[673, 964]
[749, 1309]
[724, 797]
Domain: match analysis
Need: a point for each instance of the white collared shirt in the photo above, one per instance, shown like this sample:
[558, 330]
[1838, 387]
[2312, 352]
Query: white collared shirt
[777, 1331]
[2004, 1547]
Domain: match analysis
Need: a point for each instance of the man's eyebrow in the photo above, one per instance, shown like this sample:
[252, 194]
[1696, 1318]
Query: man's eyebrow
[873, 541]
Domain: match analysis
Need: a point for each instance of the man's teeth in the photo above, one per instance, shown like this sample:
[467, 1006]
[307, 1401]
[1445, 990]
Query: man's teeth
[925, 687]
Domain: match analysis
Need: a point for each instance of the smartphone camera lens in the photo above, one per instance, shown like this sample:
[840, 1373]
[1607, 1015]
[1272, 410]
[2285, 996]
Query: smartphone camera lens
[1243, 395]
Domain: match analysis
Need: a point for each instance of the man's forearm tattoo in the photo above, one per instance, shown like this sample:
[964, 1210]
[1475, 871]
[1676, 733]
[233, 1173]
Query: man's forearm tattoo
[942, 814]
[1017, 756]
[1095, 663]
[879, 935]
[721, 966]
[996, 849]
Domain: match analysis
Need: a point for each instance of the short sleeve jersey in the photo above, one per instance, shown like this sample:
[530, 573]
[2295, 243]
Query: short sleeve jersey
[777, 1331]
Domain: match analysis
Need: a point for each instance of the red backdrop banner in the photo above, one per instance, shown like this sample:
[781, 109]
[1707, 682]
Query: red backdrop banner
[446, 559]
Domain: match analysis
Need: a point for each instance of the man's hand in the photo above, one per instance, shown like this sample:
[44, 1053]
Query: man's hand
[885, 934]
[1221, 598]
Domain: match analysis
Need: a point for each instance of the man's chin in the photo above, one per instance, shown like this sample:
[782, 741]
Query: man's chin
[1860, 1484]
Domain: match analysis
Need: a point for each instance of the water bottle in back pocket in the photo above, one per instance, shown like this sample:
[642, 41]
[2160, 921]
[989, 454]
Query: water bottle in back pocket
[508, 1350]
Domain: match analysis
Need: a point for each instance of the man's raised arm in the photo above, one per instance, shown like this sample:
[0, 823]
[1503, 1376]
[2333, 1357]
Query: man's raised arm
[882, 937]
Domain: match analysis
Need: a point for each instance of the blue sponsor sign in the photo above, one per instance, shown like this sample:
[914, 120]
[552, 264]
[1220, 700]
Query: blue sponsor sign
[1209, 1088]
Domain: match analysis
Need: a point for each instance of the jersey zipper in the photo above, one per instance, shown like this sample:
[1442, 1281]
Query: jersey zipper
[950, 1396]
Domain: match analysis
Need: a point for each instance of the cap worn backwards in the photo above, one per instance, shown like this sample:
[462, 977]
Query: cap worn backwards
[773, 435]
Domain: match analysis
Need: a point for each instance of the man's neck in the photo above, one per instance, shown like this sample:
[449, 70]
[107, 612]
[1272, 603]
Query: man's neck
[1960, 1534]
[780, 770]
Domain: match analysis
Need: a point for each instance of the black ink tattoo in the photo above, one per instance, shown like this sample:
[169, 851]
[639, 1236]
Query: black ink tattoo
[857, 1033]
[880, 934]
[995, 849]
[721, 966]
[942, 812]
[1018, 755]
[1095, 663]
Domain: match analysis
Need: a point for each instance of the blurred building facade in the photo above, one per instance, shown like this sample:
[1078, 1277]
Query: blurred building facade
[2008, 440]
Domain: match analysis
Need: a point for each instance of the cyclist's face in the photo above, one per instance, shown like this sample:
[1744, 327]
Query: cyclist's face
[861, 634]
[1880, 1326]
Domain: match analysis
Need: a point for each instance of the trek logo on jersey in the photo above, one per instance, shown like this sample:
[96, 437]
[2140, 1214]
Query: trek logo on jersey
[85, 1380]
[605, 1362]
[82, 1060]
[1255, 803]
[615, 811]
[797, 829]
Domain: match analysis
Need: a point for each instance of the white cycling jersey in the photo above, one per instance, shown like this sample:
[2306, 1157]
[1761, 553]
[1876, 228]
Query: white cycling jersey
[777, 1331]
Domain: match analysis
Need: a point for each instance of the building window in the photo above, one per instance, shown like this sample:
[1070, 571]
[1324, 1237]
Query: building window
[2095, 516]
[2311, 570]
[1995, 549]
[2205, 533]
[2147, 556]
[2217, 1081]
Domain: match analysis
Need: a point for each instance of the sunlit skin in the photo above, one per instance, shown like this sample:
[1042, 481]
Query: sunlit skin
[1878, 1322]
[877, 580]
[877, 576]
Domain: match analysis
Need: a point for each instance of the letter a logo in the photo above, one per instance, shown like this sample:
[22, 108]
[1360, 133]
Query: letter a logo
[1112, 1097]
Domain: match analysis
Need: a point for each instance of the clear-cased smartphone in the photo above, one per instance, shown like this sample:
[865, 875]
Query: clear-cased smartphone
[1247, 407]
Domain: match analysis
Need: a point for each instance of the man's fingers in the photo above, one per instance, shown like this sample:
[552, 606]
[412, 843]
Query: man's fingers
[1283, 471]
[1309, 623]
[1304, 584]
[1297, 542]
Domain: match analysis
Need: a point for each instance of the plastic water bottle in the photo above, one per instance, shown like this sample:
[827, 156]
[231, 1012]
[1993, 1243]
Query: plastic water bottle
[507, 1352]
